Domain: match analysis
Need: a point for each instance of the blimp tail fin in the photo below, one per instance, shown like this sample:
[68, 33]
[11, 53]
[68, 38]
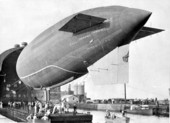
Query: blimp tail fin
[147, 31]
[80, 22]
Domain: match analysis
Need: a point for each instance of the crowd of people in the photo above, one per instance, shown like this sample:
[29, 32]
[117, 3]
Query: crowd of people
[16, 104]
[43, 111]
[40, 110]
[62, 107]
[111, 115]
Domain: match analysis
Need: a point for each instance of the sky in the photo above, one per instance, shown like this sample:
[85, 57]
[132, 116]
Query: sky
[149, 63]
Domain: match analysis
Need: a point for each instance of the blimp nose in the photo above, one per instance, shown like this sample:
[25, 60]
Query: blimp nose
[131, 20]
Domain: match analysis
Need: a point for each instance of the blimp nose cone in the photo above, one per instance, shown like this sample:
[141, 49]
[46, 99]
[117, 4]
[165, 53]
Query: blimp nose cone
[131, 20]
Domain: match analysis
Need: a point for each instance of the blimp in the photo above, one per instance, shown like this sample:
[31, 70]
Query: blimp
[63, 52]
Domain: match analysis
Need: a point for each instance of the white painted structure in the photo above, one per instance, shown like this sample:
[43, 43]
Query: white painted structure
[70, 98]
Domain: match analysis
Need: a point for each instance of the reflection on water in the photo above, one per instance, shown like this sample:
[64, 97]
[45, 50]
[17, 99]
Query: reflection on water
[5, 120]
[98, 117]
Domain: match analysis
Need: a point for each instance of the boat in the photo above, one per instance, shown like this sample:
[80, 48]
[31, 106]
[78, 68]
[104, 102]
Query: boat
[141, 109]
[117, 119]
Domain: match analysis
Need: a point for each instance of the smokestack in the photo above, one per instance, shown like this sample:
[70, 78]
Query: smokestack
[69, 87]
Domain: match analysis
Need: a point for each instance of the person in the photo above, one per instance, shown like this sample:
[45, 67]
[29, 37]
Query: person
[14, 104]
[113, 116]
[55, 109]
[39, 105]
[46, 106]
[1, 104]
[9, 104]
[67, 107]
[29, 106]
[30, 117]
[60, 108]
[23, 105]
[35, 109]
[41, 113]
[157, 106]
[35, 116]
[63, 106]
[32, 104]
[75, 108]
[107, 114]
[48, 112]
[123, 113]
[45, 117]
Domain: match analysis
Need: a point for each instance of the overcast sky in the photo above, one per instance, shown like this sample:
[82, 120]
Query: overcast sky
[23, 20]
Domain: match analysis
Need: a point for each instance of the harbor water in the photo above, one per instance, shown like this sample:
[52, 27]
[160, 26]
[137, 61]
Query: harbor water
[5, 120]
[99, 117]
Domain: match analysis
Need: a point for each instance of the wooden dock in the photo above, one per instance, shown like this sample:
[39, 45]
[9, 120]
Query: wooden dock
[20, 117]
[71, 118]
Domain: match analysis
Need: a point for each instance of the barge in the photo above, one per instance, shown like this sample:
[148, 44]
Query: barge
[117, 120]
[20, 116]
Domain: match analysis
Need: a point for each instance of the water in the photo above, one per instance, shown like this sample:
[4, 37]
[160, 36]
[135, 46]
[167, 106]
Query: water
[98, 117]
[5, 120]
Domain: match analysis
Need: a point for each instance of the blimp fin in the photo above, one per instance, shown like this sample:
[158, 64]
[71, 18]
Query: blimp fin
[80, 22]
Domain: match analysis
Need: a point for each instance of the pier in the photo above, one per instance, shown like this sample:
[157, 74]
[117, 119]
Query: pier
[21, 115]
[162, 110]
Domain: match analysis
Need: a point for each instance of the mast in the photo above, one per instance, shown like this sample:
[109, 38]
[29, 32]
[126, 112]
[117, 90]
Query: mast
[169, 104]
[125, 91]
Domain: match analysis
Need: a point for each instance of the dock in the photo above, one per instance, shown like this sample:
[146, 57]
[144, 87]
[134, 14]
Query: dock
[20, 117]
[71, 118]
[162, 110]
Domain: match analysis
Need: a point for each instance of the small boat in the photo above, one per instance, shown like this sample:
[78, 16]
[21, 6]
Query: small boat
[140, 109]
[117, 119]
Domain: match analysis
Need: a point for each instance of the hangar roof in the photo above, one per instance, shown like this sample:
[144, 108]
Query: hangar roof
[5, 54]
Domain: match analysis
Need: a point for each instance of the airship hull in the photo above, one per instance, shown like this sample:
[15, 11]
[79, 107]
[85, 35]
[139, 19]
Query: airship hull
[63, 52]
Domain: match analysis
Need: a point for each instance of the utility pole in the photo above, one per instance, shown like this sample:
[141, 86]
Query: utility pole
[47, 93]
[169, 105]
[125, 91]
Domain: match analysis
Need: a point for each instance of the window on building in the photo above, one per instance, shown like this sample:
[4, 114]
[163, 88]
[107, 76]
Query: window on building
[7, 95]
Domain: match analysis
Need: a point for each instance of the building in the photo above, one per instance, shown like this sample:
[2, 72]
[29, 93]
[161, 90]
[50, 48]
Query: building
[11, 88]
[79, 91]
[69, 92]
[55, 95]
[70, 98]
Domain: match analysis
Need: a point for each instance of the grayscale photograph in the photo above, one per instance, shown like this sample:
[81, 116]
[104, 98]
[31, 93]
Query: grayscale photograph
[84, 61]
